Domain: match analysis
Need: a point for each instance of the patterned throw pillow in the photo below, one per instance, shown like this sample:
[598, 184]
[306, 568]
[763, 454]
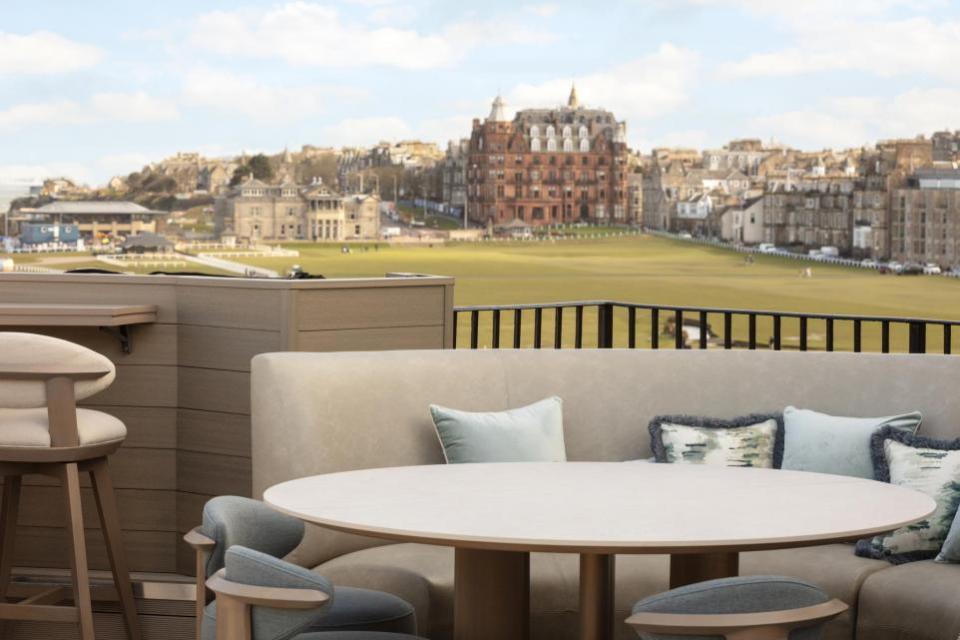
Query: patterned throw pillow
[926, 465]
[750, 441]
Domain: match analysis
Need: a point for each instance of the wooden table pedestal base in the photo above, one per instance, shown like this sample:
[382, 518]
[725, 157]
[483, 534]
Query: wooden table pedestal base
[688, 568]
[491, 595]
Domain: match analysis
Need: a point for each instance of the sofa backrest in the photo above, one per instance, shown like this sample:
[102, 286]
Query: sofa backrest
[325, 412]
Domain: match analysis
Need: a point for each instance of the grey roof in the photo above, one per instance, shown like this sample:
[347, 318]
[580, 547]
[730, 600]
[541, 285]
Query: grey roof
[938, 174]
[96, 207]
[147, 240]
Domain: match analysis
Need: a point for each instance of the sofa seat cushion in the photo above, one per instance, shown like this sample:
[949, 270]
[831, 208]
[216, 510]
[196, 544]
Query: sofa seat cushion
[30, 428]
[832, 567]
[913, 601]
[423, 576]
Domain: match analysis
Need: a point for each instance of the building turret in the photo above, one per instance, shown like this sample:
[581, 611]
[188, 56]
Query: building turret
[498, 113]
[573, 101]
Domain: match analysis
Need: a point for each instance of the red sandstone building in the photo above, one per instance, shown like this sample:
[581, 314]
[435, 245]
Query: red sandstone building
[548, 166]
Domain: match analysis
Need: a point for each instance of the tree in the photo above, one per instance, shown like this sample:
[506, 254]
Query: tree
[258, 165]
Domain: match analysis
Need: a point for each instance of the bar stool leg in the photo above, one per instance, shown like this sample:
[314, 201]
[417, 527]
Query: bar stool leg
[110, 523]
[8, 530]
[70, 478]
[8, 534]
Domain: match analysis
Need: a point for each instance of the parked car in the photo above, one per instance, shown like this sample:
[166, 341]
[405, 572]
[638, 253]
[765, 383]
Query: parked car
[869, 263]
[894, 266]
[911, 269]
[766, 247]
[685, 236]
[932, 269]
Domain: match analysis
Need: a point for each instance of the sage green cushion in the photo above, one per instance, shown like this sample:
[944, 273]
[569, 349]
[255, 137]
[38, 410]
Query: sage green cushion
[839, 445]
[533, 433]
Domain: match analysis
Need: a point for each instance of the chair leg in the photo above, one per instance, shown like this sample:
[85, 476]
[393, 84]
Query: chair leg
[8, 533]
[8, 530]
[70, 478]
[110, 524]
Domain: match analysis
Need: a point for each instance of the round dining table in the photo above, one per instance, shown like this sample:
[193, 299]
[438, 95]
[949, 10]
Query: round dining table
[495, 515]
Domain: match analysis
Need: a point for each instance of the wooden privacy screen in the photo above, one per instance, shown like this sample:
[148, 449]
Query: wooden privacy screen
[184, 390]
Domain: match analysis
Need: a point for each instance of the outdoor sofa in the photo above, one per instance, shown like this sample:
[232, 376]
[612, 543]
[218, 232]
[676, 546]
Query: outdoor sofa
[319, 413]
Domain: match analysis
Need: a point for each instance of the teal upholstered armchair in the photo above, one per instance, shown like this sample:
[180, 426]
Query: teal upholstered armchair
[259, 596]
[744, 608]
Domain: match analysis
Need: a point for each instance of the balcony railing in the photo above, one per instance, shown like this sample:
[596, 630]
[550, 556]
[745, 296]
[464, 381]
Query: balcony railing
[606, 324]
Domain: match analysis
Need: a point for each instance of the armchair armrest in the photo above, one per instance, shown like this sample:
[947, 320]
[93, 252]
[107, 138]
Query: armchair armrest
[198, 540]
[47, 372]
[203, 545]
[274, 597]
[733, 625]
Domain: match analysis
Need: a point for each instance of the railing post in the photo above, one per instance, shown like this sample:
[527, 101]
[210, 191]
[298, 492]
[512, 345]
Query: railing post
[605, 326]
[918, 337]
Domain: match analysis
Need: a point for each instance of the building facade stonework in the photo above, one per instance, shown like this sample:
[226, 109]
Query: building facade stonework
[255, 211]
[548, 166]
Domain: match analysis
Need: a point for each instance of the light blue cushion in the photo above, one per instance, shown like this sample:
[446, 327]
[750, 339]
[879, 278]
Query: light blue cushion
[746, 594]
[950, 552]
[246, 566]
[230, 520]
[839, 445]
[529, 434]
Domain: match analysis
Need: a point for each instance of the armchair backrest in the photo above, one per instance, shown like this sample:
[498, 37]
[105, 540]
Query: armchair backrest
[31, 352]
[233, 520]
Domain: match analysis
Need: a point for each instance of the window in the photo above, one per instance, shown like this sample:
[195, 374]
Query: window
[553, 159]
[538, 213]
[535, 145]
[551, 144]
[584, 160]
[551, 132]
[534, 131]
[567, 145]
[584, 144]
[356, 230]
[567, 131]
[583, 133]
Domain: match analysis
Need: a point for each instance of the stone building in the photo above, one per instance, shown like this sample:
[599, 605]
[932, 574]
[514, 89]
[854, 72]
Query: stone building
[255, 211]
[548, 166]
[925, 218]
[813, 214]
[455, 174]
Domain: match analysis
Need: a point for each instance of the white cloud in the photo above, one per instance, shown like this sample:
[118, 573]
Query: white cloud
[545, 10]
[855, 121]
[311, 34]
[101, 107]
[249, 96]
[367, 131]
[308, 34]
[871, 42]
[121, 164]
[649, 86]
[43, 52]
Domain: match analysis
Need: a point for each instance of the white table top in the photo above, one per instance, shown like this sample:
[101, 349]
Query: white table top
[600, 507]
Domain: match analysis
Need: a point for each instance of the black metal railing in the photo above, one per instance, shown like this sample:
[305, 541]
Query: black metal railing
[606, 324]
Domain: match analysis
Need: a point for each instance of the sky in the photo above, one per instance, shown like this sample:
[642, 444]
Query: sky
[95, 88]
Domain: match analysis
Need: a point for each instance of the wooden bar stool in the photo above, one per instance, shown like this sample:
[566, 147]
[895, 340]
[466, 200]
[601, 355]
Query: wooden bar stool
[42, 431]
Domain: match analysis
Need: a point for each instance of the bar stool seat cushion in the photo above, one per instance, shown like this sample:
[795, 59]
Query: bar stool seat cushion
[30, 428]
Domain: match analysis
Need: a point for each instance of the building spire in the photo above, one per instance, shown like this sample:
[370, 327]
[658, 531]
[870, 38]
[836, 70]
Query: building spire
[498, 112]
[573, 102]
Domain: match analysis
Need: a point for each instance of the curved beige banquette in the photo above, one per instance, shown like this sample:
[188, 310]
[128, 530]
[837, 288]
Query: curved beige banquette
[325, 412]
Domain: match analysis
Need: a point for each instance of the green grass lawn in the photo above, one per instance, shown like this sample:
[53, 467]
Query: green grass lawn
[649, 270]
